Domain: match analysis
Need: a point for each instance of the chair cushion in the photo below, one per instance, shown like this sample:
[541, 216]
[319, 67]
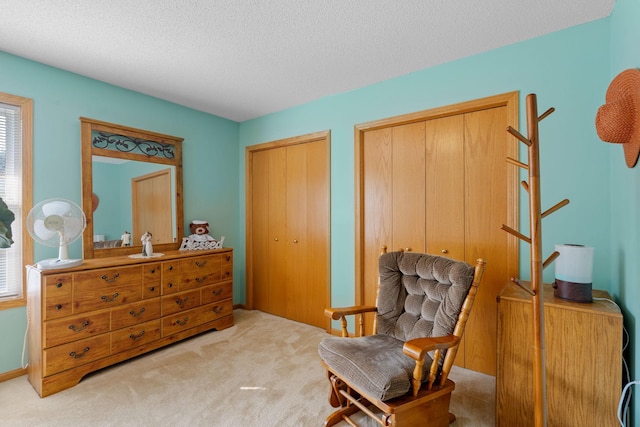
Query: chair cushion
[420, 295]
[374, 364]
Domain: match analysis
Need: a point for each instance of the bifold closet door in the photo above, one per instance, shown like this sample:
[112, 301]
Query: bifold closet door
[290, 231]
[486, 198]
[441, 185]
[307, 220]
[394, 201]
[268, 221]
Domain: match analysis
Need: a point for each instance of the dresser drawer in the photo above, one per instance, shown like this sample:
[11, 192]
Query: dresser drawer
[99, 297]
[73, 328]
[170, 277]
[217, 292]
[195, 317]
[178, 302]
[218, 309]
[226, 258]
[57, 296]
[134, 336]
[152, 280]
[134, 313]
[199, 271]
[67, 356]
[107, 277]
[152, 273]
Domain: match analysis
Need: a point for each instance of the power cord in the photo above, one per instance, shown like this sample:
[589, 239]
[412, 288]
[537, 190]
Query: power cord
[624, 402]
[26, 331]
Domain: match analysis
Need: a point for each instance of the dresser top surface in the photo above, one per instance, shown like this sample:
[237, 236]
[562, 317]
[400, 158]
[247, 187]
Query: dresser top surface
[512, 292]
[123, 260]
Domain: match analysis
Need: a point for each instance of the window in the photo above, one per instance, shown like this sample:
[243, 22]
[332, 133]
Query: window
[15, 189]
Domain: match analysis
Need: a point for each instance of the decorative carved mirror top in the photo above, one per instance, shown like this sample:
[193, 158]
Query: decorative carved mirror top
[136, 175]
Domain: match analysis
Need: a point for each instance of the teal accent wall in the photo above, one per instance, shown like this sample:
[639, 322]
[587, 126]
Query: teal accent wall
[625, 195]
[568, 70]
[210, 156]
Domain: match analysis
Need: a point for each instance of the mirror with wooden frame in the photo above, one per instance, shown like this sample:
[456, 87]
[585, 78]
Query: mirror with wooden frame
[131, 183]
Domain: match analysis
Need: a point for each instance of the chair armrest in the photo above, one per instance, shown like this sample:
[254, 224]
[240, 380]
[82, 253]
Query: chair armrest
[418, 348]
[338, 312]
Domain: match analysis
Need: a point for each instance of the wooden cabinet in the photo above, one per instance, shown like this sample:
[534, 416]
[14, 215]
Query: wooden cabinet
[437, 182]
[111, 309]
[288, 228]
[583, 346]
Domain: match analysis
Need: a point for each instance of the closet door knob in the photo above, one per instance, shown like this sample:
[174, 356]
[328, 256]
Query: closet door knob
[295, 241]
[444, 251]
[276, 239]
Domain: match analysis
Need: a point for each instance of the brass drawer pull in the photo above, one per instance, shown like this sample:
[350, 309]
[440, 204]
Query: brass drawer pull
[182, 301]
[136, 337]
[201, 279]
[138, 314]
[82, 328]
[201, 264]
[182, 322]
[107, 299]
[79, 355]
[107, 279]
[217, 309]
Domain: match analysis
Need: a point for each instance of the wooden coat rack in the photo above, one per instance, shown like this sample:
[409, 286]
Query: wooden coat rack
[535, 240]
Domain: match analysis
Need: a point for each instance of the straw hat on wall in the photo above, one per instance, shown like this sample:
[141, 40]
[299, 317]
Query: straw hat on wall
[618, 120]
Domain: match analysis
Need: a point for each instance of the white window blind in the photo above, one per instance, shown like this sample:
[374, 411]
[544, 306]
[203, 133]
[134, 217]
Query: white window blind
[11, 192]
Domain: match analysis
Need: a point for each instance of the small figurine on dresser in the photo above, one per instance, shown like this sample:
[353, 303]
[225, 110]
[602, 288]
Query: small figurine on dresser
[200, 237]
[126, 239]
[147, 247]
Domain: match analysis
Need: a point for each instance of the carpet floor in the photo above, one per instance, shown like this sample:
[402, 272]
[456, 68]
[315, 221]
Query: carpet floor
[264, 371]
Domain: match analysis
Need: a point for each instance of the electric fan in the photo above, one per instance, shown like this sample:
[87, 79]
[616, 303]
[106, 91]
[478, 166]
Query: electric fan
[56, 223]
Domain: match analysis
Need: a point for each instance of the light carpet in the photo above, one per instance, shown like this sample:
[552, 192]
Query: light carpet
[263, 371]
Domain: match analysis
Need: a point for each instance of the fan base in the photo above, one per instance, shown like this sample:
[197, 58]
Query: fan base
[55, 263]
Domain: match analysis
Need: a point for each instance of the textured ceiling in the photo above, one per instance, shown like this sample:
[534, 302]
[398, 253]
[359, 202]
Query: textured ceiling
[242, 59]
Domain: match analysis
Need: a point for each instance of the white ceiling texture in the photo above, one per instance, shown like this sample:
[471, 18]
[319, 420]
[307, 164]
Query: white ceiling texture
[242, 59]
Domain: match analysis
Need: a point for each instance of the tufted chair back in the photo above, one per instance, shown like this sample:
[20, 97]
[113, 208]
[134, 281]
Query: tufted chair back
[420, 295]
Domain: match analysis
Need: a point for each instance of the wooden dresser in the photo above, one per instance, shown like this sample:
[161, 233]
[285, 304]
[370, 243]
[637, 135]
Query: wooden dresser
[107, 310]
[583, 343]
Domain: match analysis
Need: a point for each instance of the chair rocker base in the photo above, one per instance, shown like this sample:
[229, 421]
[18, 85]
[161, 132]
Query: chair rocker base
[429, 408]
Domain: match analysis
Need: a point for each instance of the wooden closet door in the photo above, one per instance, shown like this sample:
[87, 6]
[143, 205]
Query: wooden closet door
[296, 244]
[316, 296]
[408, 181]
[445, 187]
[394, 198]
[268, 195]
[486, 183]
[377, 179]
[468, 191]
[288, 254]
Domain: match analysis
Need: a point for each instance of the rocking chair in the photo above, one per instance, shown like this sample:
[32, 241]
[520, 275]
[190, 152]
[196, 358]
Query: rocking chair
[399, 375]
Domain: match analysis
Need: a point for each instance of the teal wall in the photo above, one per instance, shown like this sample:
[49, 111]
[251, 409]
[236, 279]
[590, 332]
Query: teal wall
[568, 70]
[563, 69]
[210, 156]
[625, 194]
